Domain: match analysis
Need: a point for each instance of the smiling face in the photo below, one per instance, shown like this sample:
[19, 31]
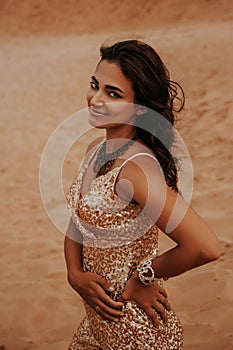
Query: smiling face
[110, 98]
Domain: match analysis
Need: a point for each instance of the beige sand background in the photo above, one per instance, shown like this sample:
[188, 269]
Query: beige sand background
[48, 50]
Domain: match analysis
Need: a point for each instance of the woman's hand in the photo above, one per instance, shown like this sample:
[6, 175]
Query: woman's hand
[93, 289]
[151, 298]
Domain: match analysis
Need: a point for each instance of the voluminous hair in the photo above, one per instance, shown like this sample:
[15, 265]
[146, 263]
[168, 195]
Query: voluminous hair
[153, 89]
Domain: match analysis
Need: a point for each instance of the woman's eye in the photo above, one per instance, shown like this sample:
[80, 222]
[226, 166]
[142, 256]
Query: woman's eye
[93, 85]
[114, 94]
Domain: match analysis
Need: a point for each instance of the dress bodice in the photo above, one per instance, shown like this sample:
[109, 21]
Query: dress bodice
[103, 218]
[117, 235]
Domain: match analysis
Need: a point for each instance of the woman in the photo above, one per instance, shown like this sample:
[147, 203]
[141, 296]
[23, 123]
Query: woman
[125, 191]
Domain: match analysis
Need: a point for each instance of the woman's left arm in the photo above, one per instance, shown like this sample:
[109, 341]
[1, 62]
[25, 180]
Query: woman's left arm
[196, 244]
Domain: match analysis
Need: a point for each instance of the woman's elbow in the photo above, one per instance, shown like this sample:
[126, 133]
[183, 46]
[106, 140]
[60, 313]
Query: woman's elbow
[211, 252]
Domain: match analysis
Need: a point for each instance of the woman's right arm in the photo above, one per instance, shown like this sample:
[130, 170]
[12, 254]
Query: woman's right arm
[73, 251]
[90, 286]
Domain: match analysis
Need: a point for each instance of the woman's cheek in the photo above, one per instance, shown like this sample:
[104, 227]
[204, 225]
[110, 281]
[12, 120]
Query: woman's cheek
[122, 110]
[89, 96]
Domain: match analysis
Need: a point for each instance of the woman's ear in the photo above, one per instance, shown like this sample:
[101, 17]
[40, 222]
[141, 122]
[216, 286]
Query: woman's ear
[141, 110]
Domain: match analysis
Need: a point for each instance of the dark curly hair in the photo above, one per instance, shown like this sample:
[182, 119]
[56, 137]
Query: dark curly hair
[153, 89]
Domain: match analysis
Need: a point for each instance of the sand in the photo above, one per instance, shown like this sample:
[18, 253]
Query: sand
[48, 51]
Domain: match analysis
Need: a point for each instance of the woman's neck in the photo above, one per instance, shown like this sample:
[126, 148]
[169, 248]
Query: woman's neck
[117, 138]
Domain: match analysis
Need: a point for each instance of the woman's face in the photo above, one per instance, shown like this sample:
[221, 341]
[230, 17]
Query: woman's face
[110, 97]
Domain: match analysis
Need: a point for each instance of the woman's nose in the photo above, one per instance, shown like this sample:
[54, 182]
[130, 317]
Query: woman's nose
[97, 99]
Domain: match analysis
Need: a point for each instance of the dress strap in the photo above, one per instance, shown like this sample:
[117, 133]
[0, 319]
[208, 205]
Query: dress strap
[136, 155]
[130, 158]
[87, 160]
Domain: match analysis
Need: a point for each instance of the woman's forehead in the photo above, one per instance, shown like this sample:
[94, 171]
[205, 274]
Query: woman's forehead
[110, 73]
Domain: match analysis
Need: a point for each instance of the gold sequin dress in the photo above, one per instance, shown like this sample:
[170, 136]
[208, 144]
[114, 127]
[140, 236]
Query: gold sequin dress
[117, 235]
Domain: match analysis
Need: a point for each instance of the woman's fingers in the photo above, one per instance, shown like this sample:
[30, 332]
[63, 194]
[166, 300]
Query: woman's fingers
[151, 313]
[106, 306]
[160, 309]
[163, 291]
[103, 314]
[111, 307]
[107, 286]
[111, 303]
[164, 301]
[106, 300]
[107, 312]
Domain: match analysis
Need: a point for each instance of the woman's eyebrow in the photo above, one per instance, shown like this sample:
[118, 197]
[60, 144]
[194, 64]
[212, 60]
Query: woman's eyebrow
[111, 87]
[94, 79]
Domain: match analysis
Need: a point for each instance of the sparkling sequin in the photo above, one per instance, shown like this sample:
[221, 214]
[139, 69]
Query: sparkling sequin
[116, 237]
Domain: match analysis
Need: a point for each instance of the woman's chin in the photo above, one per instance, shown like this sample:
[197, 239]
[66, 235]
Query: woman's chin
[98, 123]
[102, 121]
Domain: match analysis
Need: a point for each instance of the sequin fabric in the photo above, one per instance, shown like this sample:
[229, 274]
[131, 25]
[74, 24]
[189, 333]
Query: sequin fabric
[116, 236]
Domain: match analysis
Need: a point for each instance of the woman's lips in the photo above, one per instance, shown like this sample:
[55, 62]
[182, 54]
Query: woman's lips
[97, 112]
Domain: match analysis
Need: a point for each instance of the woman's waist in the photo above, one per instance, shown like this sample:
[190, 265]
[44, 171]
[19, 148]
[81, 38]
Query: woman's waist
[122, 238]
[108, 236]
[116, 273]
[114, 265]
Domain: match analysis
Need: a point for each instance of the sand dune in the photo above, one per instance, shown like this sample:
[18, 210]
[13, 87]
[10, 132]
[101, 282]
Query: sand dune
[48, 50]
[86, 17]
